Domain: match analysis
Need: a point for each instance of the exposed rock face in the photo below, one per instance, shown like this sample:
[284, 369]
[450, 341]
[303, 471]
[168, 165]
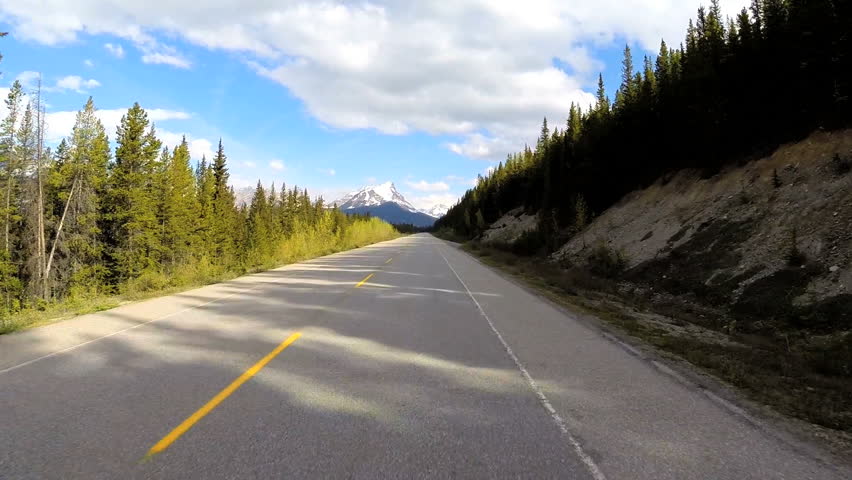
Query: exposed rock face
[510, 227]
[774, 234]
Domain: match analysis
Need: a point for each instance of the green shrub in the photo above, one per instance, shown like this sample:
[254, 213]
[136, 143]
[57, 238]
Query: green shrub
[529, 243]
[840, 166]
[606, 262]
[148, 281]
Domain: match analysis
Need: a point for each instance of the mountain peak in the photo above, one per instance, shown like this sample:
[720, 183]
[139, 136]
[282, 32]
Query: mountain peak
[384, 201]
[375, 195]
[437, 211]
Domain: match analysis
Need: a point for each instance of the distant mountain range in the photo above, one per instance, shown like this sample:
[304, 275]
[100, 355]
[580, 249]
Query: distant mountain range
[385, 202]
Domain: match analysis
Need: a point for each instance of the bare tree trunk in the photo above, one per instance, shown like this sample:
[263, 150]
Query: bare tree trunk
[8, 198]
[59, 230]
[40, 242]
[42, 246]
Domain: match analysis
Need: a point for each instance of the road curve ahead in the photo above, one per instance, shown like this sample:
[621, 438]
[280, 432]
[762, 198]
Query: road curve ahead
[405, 359]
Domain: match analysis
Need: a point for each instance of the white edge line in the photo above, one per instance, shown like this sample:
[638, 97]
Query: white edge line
[593, 468]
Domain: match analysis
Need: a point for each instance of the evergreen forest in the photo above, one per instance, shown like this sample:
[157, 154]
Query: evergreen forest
[734, 89]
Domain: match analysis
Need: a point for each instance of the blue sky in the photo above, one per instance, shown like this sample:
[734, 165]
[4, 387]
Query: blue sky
[333, 96]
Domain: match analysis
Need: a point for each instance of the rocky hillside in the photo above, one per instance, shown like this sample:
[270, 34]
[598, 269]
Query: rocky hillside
[769, 239]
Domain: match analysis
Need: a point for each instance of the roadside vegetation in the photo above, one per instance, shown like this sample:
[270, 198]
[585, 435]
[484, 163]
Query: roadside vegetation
[83, 227]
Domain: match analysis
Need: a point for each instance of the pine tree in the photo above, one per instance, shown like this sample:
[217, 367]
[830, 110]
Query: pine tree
[774, 16]
[10, 284]
[130, 212]
[575, 123]
[649, 81]
[602, 106]
[25, 153]
[543, 138]
[627, 92]
[181, 207]
[663, 65]
[286, 212]
[714, 30]
[756, 9]
[259, 234]
[224, 208]
[9, 157]
[274, 213]
[745, 32]
[205, 187]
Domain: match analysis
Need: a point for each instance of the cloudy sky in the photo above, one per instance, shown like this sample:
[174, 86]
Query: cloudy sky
[332, 95]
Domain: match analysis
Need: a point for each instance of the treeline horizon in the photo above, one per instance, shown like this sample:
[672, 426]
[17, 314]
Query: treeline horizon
[734, 90]
[82, 221]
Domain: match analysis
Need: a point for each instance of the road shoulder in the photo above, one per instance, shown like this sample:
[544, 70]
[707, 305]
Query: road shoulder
[812, 441]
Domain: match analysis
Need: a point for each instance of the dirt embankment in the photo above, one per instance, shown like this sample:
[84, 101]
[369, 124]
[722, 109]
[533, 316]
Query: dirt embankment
[771, 237]
[510, 227]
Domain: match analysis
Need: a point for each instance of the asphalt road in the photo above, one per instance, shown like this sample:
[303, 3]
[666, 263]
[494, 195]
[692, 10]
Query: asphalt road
[434, 367]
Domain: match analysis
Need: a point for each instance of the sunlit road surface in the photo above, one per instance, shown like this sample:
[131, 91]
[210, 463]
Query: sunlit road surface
[406, 359]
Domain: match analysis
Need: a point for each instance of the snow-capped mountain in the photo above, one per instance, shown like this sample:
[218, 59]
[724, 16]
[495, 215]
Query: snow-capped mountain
[373, 196]
[437, 211]
[385, 202]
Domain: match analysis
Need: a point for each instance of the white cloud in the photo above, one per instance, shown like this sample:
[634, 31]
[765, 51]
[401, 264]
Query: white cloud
[115, 50]
[88, 63]
[159, 114]
[390, 65]
[371, 180]
[276, 165]
[327, 171]
[60, 124]
[166, 59]
[424, 186]
[153, 52]
[468, 182]
[76, 83]
[249, 164]
[198, 147]
[201, 147]
[28, 79]
[426, 202]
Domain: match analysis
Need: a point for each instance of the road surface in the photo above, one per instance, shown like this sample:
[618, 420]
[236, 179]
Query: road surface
[405, 359]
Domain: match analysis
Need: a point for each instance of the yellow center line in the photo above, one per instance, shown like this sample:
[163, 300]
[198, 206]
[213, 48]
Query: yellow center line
[215, 401]
[389, 260]
[362, 282]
